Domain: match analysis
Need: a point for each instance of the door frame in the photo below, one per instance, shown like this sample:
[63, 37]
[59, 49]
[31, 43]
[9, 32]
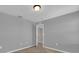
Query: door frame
[37, 27]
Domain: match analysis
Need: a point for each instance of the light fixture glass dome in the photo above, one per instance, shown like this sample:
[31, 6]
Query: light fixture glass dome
[36, 7]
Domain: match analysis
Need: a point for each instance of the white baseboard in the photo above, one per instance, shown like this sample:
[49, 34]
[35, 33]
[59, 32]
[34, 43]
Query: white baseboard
[34, 45]
[56, 49]
[20, 49]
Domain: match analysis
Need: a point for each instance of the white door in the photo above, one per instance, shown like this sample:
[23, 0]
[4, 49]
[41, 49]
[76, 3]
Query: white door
[40, 35]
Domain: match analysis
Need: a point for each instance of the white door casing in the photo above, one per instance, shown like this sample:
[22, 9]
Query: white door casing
[37, 33]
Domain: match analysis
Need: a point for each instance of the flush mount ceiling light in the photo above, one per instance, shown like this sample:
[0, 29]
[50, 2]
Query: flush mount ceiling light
[36, 7]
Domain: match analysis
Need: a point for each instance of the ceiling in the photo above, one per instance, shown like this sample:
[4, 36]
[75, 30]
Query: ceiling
[46, 12]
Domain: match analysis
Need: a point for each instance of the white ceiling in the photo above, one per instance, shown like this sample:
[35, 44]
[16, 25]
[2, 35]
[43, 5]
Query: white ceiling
[47, 11]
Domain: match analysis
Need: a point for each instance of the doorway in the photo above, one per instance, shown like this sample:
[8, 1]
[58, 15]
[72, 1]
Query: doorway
[40, 35]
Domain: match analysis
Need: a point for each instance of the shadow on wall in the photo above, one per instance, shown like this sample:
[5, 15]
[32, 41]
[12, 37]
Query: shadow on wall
[63, 32]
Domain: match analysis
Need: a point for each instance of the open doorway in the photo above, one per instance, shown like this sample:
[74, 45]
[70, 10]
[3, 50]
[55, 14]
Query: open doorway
[40, 35]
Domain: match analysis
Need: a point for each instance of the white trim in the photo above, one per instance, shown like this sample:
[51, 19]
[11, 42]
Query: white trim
[34, 45]
[37, 27]
[36, 35]
[43, 34]
[20, 49]
[56, 49]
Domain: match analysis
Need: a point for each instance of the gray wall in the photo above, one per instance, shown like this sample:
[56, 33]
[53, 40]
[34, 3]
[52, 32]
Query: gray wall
[63, 32]
[15, 33]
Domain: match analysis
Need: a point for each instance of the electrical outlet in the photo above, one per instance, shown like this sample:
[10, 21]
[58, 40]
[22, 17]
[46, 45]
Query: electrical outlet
[0, 47]
[56, 44]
